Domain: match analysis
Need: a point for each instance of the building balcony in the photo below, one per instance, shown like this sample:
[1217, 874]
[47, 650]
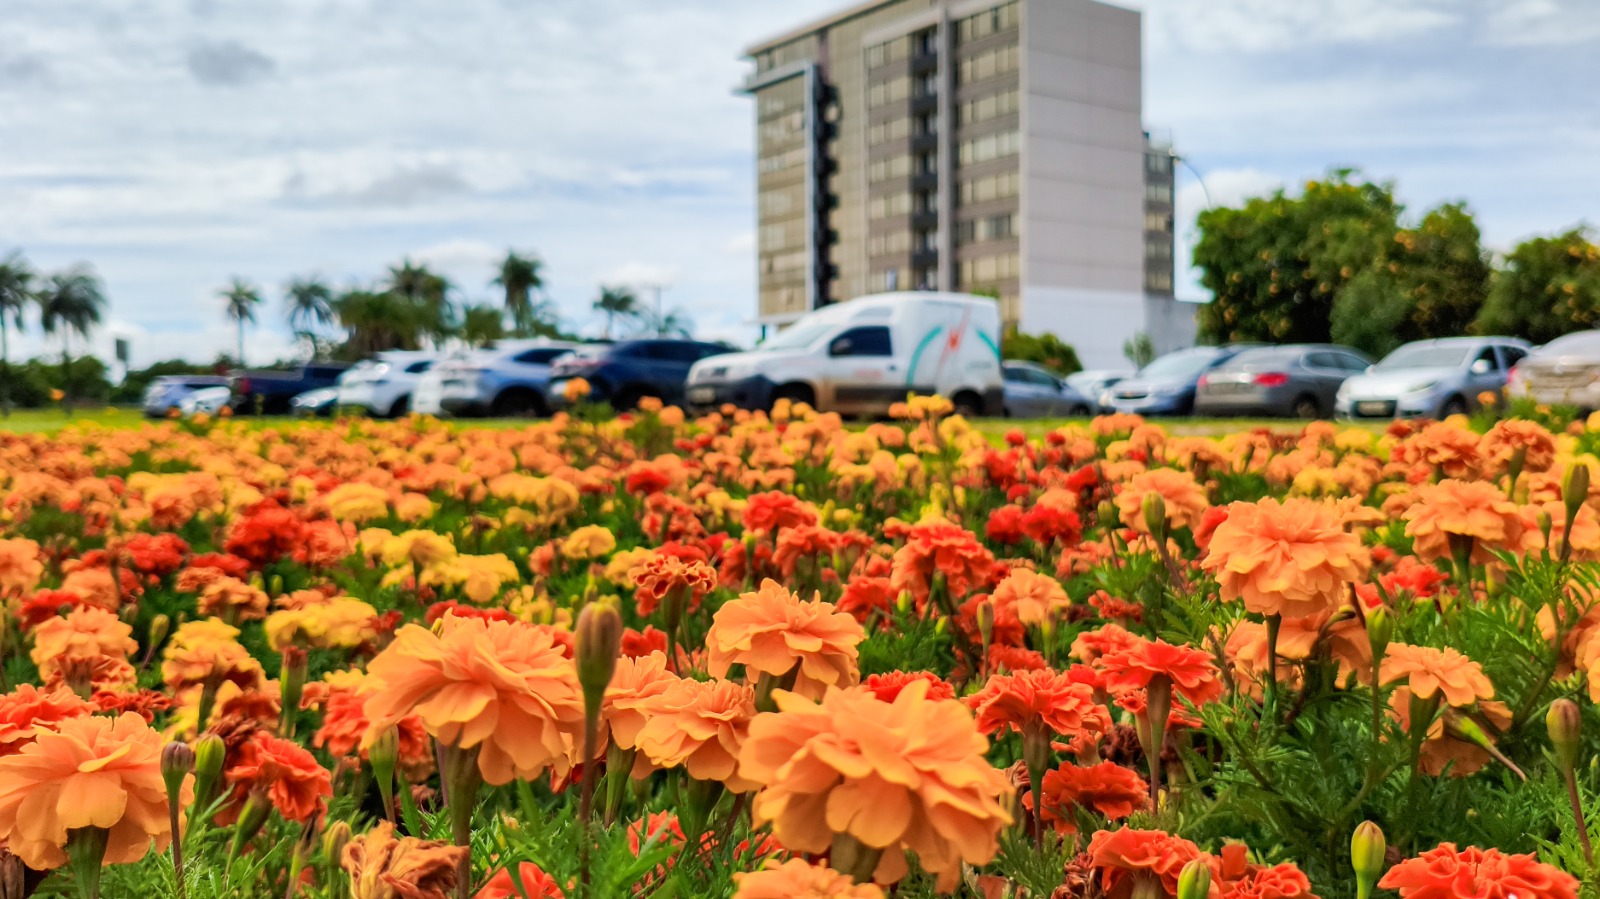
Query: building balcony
[928, 181]
[923, 143]
[924, 103]
[924, 221]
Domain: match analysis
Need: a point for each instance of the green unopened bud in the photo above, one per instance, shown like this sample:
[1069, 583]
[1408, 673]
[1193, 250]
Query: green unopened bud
[160, 626]
[985, 618]
[599, 639]
[1575, 487]
[1155, 514]
[1194, 881]
[1546, 525]
[1565, 723]
[334, 839]
[1106, 512]
[1367, 850]
[209, 754]
[383, 755]
[251, 819]
[903, 603]
[177, 762]
[1380, 630]
[275, 585]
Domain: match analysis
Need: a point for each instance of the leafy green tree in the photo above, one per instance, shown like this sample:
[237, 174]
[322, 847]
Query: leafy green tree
[617, 302]
[1546, 287]
[70, 302]
[532, 314]
[1045, 349]
[241, 299]
[427, 296]
[1277, 264]
[16, 294]
[481, 325]
[1139, 349]
[1430, 281]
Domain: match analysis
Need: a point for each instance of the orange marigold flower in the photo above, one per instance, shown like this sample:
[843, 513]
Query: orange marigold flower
[1107, 788]
[1427, 671]
[772, 631]
[1292, 558]
[1443, 749]
[663, 572]
[634, 683]
[1446, 872]
[1128, 857]
[699, 726]
[1234, 877]
[887, 686]
[800, 878]
[91, 772]
[20, 567]
[530, 883]
[1090, 646]
[1475, 511]
[774, 510]
[1029, 700]
[1510, 435]
[228, 597]
[27, 710]
[940, 547]
[1185, 499]
[1033, 597]
[1442, 446]
[504, 687]
[903, 776]
[345, 725]
[1191, 671]
[289, 775]
[85, 633]
[382, 867]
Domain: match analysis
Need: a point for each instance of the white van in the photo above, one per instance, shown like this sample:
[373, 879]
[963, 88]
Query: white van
[859, 356]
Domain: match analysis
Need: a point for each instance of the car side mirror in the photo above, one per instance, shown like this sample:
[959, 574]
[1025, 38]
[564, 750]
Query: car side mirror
[840, 347]
[1481, 367]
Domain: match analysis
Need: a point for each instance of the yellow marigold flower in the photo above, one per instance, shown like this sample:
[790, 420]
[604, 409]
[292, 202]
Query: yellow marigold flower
[623, 562]
[503, 687]
[357, 502]
[206, 649]
[902, 776]
[480, 578]
[340, 623]
[772, 631]
[588, 542]
[418, 548]
[414, 507]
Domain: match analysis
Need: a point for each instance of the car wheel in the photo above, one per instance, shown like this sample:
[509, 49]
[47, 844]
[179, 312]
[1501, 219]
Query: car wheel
[1453, 406]
[795, 394]
[1306, 407]
[401, 407]
[513, 403]
[1079, 411]
[967, 404]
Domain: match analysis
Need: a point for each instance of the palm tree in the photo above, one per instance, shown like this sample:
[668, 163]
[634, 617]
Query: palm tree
[16, 292]
[70, 301]
[426, 293]
[520, 277]
[617, 302]
[481, 325]
[676, 323]
[241, 298]
[310, 302]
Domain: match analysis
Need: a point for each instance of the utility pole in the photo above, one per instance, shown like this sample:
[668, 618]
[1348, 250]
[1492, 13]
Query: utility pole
[661, 321]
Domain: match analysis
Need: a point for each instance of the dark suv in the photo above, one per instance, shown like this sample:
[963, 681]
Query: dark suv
[625, 372]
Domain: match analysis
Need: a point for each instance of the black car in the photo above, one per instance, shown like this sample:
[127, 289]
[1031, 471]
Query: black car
[270, 392]
[626, 372]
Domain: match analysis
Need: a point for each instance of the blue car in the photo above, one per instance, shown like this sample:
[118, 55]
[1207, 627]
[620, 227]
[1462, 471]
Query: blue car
[1167, 385]
[626, 372]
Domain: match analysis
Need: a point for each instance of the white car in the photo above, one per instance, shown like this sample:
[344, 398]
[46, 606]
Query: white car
[209, 400]
[384, 385]
[167, 393]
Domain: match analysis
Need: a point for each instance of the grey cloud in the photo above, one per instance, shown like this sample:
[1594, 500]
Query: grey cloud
[228, 63]
[405, 187]
[17, 67]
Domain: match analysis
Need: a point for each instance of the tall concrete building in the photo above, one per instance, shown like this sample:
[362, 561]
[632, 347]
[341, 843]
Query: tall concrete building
[991, 146]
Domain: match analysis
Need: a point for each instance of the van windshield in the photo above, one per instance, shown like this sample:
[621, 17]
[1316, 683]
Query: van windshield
[799, 336]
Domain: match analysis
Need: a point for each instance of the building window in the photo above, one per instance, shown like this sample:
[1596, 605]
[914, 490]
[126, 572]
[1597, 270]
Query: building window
[926, 42]
[990, 187]
[990, 146]
[988, 22]
[889, 244]
[928, 85]
[1158, 221]
[1159, 163]
[889, 206]
[926, 241]
[1156, 249]
[986, 270]
[892, 130]
[984, 108]
[1158, 282]
[926, 278]
[891, 91]
[1160, 193]
[928, 123]
[927, 163]
[927, 201]
[889, 168]
[987, 64]
[887, 52]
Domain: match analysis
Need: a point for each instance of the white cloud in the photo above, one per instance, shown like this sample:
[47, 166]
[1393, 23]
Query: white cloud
[641, 274]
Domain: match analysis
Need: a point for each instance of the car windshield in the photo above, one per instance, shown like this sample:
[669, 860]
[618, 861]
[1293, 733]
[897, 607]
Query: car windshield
[1422, 355]
[1272, 356]
[1182, 364]
[799, 336]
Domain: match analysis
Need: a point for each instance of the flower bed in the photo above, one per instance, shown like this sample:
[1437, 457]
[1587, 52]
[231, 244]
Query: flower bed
[771, 657]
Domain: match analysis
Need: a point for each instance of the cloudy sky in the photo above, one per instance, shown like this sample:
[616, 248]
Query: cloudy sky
[175, 143]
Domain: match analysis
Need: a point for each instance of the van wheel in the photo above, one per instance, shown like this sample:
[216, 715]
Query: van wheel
[1306, 407]
[1453, 406]
[794, 393]
[514, 403]
[967, 404]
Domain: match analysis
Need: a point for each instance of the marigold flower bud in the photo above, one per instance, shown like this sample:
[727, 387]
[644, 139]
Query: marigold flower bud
[1106, 513]
[1575, 487]
[1367, 848]
[1155, 515]
[599, 640]
[334, 840]
[177, 761]
[1565, 723]
[1380, 629]
[160, 626]
[209, 754]
[985, 618]
[1194, 881]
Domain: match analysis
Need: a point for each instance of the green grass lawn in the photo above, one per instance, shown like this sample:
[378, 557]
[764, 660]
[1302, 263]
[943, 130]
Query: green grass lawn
[35, 421]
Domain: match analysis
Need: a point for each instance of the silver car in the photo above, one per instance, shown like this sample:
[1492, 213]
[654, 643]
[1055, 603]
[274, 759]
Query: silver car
[167, 393]
[1431, 378]
[1298, 380]
[1564, 372]
[1033, 391]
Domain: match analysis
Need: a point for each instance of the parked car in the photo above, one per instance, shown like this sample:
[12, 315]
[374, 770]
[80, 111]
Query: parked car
[1033, 391]
[269, 392]
[383, 384]
[1299, 380]
[319, 403]
[859, 357]
[1565, 371]
[1431, 378]
[209, 400]
[167, 393]
[507, 379]
[625, 372]
[1093, 385]
[1167, 385]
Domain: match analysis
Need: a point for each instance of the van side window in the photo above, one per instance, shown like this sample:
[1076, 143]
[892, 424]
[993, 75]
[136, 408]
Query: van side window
[872, 340]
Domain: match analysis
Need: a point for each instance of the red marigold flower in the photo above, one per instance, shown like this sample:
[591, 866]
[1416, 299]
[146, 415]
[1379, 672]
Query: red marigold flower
[227, 563]
[266, 535]
[665, 571]
[1234, 877]
[644, 478]
[1030, 700]
[1126, 857]
[451, 607]
[1107, 788]
[864, 595]
[1004, 525]
[641, 643]
[1052, 519]
[144, 703]
[1015, 659]
[48, 604]
[806, 541]
[774, 511]
[1446, 872]
[530, 882]
[297, 786]
[887, 686]
[940, 547]
[1191, 671]
[157, 555]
